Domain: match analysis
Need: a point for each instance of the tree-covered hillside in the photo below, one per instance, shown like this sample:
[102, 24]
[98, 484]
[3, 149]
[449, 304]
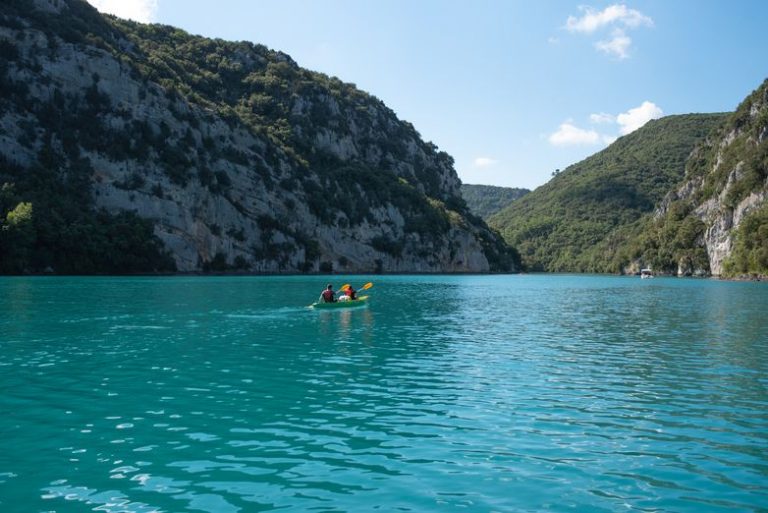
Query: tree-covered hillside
[486, 200]
[580, 219]
[226, 154]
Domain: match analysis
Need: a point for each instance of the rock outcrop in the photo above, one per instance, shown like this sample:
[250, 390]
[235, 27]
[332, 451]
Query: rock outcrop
[726, 182]
[241, 158]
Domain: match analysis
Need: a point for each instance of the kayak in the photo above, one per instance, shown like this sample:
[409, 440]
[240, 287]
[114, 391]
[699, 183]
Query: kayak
[360, 301]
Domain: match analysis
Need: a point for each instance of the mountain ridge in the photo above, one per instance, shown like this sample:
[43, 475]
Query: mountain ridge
[570, 223]
[237, 157]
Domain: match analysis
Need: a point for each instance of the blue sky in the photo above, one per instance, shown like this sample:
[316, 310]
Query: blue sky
[512, 90]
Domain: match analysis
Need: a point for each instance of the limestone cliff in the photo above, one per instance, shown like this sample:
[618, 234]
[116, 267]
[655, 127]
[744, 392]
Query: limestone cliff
[726, 184]
[240, 158]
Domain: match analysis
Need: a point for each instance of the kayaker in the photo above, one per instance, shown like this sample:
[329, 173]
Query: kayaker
[351, 293]
[328, 295]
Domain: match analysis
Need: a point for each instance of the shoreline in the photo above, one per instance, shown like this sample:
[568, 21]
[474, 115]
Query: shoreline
[740, 278]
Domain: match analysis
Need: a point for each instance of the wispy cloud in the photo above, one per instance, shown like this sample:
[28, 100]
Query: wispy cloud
[569, 134]
[593, 20]
[618, 45]
[601, 118]
[618, 16]
[481, 162]
[144, 11]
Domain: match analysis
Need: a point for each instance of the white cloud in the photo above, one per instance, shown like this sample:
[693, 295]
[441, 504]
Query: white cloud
[613, 14]
[618, 16]
[484, 162]
[570, 135]
[602, 118]
[617, 46]
[635, 118]
[144, 11]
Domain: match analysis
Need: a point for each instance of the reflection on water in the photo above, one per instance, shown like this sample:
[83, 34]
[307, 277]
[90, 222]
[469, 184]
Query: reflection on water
[487, 393]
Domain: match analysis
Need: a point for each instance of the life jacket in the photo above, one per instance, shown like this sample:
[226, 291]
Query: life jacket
[351, 293]
[328, 296]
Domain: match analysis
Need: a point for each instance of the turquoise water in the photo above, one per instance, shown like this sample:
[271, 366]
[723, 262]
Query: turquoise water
[465, 393]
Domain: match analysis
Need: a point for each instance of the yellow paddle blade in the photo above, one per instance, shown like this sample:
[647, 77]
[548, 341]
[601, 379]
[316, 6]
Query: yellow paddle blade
[344, 287]
[367, 286]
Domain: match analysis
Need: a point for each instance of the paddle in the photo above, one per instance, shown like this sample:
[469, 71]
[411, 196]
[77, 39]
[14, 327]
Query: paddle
[364, 287]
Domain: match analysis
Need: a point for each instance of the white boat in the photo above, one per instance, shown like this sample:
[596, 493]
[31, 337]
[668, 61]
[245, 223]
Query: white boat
[646, 273]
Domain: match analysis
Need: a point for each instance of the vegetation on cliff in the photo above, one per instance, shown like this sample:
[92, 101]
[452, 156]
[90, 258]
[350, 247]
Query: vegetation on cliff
[726, 173]
[301, 136]
[750, 251]
[48, 222]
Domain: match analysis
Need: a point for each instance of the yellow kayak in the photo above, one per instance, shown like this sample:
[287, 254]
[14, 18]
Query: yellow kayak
[360, 301]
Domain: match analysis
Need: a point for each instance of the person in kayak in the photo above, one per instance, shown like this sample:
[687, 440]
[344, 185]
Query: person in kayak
[328, 295]
[351, 293]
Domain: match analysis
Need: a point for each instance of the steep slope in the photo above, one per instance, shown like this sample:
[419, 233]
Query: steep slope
[580, 219]
[716, 221]
[486, 200]
[227, 155]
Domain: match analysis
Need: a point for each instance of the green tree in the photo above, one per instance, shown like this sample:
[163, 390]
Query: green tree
[17, 238]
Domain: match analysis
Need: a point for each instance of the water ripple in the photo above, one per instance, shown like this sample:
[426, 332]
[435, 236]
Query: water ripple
[519, 393]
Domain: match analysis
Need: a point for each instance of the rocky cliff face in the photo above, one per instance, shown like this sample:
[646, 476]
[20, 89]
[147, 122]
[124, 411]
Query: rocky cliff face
[726, 182]
[721, 223]
[241, 158]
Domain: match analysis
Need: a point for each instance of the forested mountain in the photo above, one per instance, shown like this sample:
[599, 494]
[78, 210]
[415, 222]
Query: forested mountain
[127, 147]
[486, 200]
[583, 219]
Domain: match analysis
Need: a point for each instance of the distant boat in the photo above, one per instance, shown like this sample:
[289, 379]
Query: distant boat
[646, 273]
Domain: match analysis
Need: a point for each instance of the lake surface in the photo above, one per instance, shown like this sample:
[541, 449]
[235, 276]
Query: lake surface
[447, 393]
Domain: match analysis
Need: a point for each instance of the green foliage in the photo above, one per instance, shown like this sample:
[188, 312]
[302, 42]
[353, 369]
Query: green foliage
[388, 245]
[20, 217]
[17, 236]
[671, 243]
[486, 200]
[254, 90]
[217, 264]
[750, 246]
[353, 190]
[584, 217]
[50, 222]
[742, 164]
[731, 164]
